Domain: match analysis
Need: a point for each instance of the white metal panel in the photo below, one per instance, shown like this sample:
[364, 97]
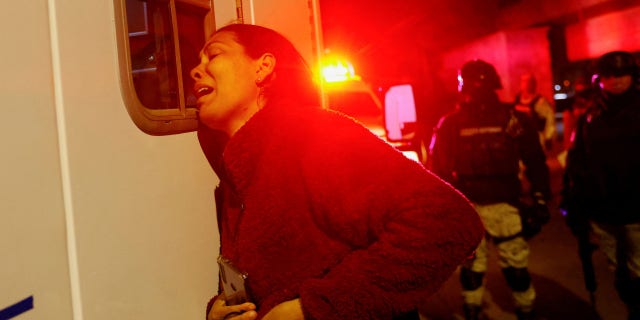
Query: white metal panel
[32, 224]
[143, 205]
[225, 12]
[292, 18]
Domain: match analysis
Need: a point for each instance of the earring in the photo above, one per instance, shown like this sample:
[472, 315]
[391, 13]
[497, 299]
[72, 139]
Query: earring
[260, 98]
[258, 81]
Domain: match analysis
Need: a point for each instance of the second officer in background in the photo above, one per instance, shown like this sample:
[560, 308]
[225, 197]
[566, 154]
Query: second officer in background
[602, 178]
[478, 148]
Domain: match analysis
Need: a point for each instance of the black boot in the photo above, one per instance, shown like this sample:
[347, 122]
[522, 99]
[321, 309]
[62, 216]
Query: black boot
[634, 313]
[472, 312]
[413, 315]
[525, 314]
[628, 289]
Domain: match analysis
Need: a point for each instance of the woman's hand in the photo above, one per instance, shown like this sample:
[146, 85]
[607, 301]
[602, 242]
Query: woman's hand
[220, 311]
[288, 310]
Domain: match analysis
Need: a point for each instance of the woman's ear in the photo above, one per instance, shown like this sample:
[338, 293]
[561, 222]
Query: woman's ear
[266, 65]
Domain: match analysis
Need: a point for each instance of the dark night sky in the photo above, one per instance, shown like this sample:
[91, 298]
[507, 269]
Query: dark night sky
[400, 41]
[379, 35]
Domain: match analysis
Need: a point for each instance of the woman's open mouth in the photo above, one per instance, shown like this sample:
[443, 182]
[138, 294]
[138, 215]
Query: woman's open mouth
[202, 91]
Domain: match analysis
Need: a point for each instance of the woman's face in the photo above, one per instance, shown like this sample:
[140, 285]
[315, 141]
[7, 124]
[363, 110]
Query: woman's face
[616, 84]
[225, 83]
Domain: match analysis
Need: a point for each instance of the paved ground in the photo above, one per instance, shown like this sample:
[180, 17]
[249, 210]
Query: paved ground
[556, 274]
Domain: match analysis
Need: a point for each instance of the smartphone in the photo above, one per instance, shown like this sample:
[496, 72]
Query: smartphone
[233, 282]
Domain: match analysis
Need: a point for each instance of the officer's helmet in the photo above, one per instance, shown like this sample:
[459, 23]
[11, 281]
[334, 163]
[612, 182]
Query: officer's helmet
[478, 75]
[617, 63]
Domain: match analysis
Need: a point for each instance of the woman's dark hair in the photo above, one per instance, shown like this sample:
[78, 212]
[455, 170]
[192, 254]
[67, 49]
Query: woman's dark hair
[291, 80]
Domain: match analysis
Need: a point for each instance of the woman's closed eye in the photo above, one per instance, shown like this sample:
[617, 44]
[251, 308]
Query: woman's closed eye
[211, 53]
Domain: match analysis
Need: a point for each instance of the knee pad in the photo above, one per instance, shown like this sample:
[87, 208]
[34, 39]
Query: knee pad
[518, 279]
[470, 280]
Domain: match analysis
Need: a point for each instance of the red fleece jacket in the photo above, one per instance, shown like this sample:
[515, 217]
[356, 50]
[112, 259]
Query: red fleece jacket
[318, 208]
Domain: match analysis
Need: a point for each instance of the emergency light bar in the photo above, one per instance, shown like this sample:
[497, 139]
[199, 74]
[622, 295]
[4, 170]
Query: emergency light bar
[336, 69]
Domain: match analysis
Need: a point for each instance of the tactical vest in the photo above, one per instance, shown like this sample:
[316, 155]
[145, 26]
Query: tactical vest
[485, 148]
[487, 157]
[529, 109]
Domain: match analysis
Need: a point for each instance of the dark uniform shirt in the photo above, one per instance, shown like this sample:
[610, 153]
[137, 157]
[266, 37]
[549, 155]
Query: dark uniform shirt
[603, 166]
[478, 152]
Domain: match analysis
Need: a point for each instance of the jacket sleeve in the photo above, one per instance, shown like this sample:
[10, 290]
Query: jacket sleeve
[440, 159]
[210, 306]
[546, 110]
[407, 228]
[533, 158]
[575, 173]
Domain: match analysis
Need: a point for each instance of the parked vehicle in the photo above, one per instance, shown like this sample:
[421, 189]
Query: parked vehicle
[393, 120]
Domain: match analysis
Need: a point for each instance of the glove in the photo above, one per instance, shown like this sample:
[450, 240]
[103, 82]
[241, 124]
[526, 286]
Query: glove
[577, 224]
[534, 217]
[575, 215]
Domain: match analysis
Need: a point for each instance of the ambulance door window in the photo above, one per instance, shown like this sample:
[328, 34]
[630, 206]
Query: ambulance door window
[158, 44]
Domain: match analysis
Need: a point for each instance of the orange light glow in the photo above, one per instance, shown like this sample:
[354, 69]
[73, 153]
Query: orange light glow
[336, 69]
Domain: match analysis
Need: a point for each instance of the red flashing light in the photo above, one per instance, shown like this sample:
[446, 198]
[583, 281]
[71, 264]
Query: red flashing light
[336, 69]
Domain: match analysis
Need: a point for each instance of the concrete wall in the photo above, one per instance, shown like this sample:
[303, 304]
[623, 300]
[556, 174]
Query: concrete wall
[511, 53]
[613, 31]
